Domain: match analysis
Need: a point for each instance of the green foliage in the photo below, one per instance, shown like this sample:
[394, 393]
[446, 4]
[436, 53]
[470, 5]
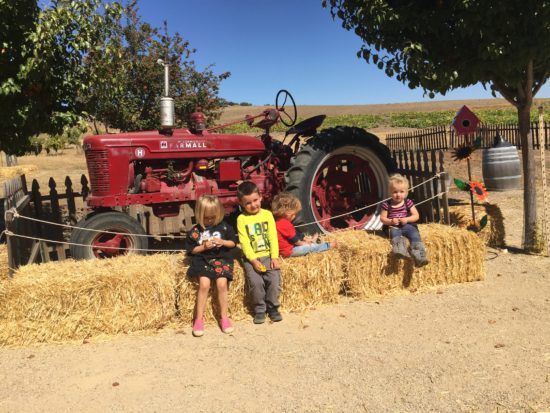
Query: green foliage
[443, 45]
[41, 64]
[71, 135]
[418, 120]
[128, 98]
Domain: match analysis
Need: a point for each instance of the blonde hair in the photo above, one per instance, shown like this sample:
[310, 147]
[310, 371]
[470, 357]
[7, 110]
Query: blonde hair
[209, 204]
[398, 179]
[283, 202]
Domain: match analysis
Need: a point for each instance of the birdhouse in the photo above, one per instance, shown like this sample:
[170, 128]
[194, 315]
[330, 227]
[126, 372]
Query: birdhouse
[465, 121]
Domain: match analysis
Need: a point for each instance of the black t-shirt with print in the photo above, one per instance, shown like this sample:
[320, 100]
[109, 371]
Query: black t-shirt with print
[213, 263]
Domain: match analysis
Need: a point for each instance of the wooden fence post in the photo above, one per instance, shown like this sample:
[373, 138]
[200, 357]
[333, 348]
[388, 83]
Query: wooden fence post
[546, 221]
[38, 214]
[11, 243]
[85, 188]
[70, 199]
[446, 216]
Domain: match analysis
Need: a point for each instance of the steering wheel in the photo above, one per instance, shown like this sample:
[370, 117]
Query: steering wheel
[289, 117]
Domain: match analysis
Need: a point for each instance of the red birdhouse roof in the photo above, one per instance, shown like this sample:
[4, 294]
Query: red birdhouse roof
[465, 121]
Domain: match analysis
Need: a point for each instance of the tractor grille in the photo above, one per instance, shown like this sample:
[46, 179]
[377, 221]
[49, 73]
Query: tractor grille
[98, 167]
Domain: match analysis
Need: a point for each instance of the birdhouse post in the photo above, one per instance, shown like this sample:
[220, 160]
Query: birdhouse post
[465, 123]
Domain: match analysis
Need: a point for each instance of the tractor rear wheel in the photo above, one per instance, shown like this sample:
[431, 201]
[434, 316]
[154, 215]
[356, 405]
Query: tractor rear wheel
[335, 175]
[130, 237]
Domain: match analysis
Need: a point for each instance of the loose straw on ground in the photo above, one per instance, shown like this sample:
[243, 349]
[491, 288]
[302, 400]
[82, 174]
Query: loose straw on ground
[493, 234]
[8, 172]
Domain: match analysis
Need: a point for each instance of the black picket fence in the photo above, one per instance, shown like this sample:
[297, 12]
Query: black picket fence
[444, 137]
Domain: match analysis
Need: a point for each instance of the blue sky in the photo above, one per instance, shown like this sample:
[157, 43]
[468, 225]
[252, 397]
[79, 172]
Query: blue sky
[284, 44]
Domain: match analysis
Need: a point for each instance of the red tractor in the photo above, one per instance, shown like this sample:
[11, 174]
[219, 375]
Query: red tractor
[333, 172]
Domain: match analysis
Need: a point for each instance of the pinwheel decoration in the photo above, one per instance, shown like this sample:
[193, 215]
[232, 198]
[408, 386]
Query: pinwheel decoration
[465, 123]
[475, 188]
[465, 150]
[478, 190]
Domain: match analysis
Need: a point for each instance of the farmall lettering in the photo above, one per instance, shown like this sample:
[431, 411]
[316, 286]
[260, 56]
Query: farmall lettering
[187, 144]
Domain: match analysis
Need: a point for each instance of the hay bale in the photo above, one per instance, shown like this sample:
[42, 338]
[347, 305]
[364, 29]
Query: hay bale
[307, 282]
[493, 234]
[4, 267]
[8, 172]
[186, 295]
[74, 300]
[311, 280]
[455, 255]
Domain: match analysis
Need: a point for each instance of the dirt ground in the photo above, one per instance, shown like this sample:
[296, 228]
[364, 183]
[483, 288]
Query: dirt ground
[476, 347]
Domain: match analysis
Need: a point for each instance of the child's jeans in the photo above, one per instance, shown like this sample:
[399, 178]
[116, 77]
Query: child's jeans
[301, 250]
[409, 231]
[264, 288]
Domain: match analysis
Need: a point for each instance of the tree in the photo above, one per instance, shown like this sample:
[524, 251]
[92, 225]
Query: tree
[440, 45]
[129, 97]
[19, 19]
[41, 59]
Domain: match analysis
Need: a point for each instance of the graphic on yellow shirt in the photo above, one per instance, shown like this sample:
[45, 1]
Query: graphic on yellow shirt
[257, 233]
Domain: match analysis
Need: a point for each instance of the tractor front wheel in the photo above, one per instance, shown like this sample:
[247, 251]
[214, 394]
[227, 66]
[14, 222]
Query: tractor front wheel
[338, 173]
[106, 235]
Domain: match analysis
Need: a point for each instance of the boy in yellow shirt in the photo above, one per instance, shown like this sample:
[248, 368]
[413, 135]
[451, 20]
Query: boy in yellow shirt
[258, 239]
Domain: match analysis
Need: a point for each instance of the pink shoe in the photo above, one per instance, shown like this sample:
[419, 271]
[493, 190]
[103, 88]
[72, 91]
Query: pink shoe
[226, 325]
[198, 328]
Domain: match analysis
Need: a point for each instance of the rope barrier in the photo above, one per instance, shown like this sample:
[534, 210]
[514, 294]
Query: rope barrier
[9, 233]
[362, 224]
[433, 197]
[436, 176]
[17, 215]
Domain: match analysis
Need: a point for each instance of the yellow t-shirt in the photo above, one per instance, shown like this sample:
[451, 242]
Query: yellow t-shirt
[258, 235]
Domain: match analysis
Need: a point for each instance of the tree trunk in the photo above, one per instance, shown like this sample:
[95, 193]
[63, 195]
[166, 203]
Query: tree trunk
[529, 179]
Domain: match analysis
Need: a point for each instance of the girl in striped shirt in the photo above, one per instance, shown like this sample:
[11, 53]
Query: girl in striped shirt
[400, 214]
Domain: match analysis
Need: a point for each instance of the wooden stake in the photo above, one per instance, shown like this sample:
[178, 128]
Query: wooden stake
[471, 193]
[546, 220]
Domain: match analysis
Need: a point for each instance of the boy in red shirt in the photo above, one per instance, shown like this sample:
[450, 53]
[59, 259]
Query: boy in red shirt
[292, 243]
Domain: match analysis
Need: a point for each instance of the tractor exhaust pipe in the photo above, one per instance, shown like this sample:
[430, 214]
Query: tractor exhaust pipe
[166, 102]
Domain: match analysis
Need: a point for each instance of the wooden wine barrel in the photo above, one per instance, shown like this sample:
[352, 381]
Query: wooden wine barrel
[501, 166]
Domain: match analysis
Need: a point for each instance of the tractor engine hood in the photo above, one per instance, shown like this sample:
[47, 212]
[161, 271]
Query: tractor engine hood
[181, 144]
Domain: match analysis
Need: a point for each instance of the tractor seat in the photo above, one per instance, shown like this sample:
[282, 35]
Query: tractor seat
[307, 127]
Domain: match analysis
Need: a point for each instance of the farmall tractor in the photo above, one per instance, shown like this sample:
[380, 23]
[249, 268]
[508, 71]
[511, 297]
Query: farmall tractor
[333, 172]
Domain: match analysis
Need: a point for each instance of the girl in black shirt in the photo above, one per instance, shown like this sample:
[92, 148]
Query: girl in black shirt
[210, 242]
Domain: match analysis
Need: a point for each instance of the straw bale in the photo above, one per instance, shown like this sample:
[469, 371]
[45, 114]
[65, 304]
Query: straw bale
[8, 172]
[307, 282]
[455, 255]
[311, 280]
[493, 234]
[74, 300]
[4, 269]
[186, 295]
